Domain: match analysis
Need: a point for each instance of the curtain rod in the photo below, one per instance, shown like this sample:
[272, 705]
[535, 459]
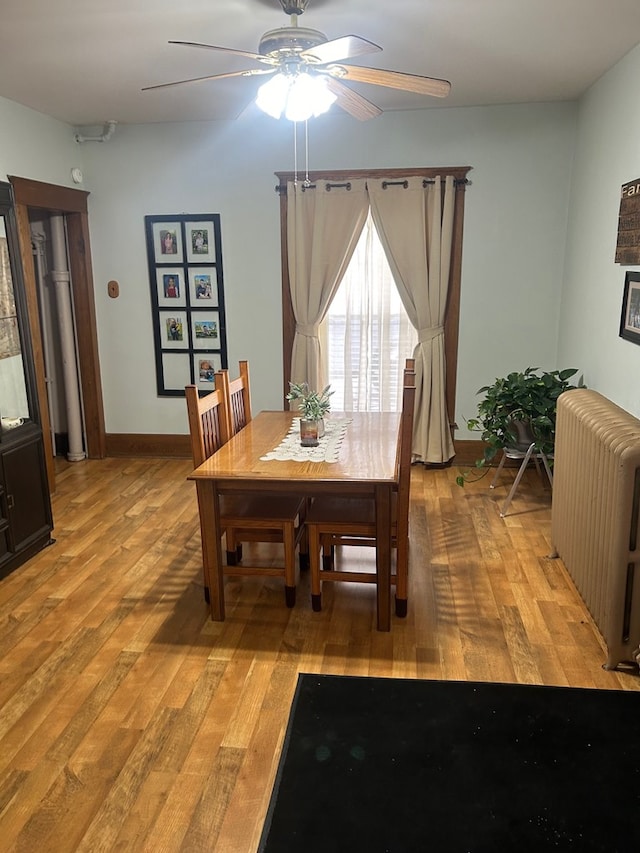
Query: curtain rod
[281, 188]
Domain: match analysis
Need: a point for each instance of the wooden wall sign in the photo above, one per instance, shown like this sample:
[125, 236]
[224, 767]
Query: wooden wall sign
[628, 244]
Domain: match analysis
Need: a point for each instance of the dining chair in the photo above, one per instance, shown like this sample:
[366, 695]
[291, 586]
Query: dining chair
[208, 428]
[278, 518]
[333, 521]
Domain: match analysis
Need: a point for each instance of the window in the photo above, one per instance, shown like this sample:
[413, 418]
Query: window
[459, 173]
[367, 334]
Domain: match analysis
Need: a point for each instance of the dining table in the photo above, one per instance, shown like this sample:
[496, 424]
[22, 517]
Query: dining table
[357, 456]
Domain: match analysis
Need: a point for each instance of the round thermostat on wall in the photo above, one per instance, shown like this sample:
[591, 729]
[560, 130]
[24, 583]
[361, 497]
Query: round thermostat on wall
[77, 175]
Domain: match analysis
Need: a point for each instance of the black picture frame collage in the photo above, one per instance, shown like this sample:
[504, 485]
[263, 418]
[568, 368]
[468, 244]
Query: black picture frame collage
[187, 296]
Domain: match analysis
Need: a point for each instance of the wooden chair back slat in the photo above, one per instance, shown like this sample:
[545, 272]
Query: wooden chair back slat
[207, 423]
[240, 399]
[236, 398]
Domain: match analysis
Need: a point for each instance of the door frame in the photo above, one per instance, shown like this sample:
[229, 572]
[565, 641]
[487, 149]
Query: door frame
[72, 204]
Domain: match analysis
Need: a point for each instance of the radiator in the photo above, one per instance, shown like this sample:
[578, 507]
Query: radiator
[594, 515]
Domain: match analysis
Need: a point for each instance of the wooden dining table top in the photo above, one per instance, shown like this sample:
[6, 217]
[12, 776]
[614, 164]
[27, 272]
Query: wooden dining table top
[367, 454]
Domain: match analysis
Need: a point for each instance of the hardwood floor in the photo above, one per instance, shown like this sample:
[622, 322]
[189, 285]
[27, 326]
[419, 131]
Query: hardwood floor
[129, 721]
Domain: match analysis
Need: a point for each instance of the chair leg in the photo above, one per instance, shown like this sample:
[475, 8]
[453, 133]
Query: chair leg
[516, 482]
[328, 552]
[303, 554]
[314, 567]
[289, 541]
[402, 576]
[233, 547]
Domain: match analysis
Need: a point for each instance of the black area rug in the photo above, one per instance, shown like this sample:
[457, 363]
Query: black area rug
[384, 765]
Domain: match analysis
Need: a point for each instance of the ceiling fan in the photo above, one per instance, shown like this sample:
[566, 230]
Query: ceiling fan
[305, 55]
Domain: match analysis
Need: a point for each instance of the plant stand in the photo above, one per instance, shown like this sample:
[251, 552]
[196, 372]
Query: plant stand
[525, 456]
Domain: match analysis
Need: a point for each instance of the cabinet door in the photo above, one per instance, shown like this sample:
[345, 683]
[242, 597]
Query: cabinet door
[26, 497]
[5, 539]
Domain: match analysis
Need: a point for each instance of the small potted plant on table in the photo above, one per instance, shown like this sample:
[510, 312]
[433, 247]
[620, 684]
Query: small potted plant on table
[313, 407]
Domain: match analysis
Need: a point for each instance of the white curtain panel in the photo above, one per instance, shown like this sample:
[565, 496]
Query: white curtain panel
[324, 225]
[415, 224]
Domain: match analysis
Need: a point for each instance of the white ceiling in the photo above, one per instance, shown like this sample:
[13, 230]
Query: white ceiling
[86, 61]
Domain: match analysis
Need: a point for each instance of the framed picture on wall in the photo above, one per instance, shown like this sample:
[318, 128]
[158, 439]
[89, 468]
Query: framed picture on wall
[205, 366]
[206, 329]
[187, 300]
[167, 242]
[202, 287]
[174, 333]
[171, 287]
[200, 242]
[630, 317]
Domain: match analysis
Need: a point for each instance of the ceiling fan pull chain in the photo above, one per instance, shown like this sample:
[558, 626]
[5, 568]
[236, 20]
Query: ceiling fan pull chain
[307, 182]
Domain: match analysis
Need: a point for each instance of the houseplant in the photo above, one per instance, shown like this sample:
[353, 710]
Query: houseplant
[519, 409]
[313, 406]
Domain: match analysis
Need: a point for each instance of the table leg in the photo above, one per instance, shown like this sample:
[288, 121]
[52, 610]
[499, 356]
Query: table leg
[209, 509]
[383, 555]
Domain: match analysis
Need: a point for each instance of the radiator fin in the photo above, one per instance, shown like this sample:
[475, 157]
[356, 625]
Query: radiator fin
[595, 513]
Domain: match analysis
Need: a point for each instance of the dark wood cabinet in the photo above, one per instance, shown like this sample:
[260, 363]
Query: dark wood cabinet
[25, 507]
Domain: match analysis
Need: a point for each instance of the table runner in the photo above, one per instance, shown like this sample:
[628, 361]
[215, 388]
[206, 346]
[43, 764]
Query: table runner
[327, 449]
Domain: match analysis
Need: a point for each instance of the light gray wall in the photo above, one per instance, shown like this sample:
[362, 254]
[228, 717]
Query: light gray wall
[515, 229]
[515, 224]
[36, 146]
[607, 156]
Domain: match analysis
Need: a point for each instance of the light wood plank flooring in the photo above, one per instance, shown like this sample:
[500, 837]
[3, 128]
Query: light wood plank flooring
[129, 721]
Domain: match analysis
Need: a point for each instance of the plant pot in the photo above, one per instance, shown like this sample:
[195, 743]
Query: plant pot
[308, 433]
[522, 433]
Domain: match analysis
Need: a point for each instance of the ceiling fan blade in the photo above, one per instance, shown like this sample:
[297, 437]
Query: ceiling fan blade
[337, 49]
[393, 80]
[257, 56]
[252, 72]
[351, 102]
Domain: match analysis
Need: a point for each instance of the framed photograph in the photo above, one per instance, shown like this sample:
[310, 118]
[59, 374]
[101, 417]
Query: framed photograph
[630, 317]
[167, 242]
[205, 327]
[187, 300]
[174, 332]
[171, 287]
[205, 366]
[200, 242]
[203, 291]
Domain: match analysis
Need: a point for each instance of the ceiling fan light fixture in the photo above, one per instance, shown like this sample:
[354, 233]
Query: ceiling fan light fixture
[272, 96]
[296, 96]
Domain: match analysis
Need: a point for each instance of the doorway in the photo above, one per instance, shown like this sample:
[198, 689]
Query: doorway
[36, 200]
[59, 338]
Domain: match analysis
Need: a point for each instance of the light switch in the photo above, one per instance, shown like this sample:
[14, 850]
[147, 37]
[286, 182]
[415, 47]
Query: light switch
[113, 289]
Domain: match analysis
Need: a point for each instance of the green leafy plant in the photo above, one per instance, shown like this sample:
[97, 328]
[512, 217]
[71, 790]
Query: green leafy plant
[313, 405]
[520, 402]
